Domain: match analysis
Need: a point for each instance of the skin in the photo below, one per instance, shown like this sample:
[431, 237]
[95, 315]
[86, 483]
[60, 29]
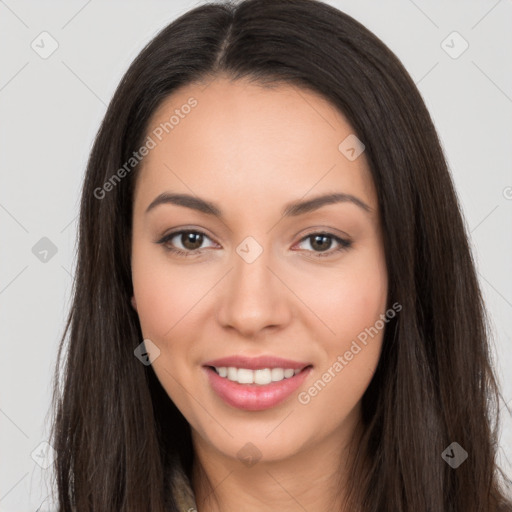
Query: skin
[251, 150]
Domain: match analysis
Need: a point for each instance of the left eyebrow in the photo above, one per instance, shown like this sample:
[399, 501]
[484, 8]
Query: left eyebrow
[301, 207]
[290, 210]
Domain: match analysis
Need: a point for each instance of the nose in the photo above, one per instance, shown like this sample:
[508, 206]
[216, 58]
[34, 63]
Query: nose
[252, 298]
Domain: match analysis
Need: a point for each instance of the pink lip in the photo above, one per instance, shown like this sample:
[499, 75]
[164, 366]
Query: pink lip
[256, 363]
[254, 397]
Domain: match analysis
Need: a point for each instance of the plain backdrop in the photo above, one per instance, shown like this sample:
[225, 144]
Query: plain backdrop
[52, 105]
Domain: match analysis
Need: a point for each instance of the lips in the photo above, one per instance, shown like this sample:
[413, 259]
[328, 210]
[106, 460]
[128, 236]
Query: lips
[254, 397]
[257, 363]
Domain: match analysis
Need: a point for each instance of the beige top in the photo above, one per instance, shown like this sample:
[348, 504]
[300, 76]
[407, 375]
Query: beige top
[182, 490]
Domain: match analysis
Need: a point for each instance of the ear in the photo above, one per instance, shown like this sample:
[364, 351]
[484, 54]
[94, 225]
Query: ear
[134, 304]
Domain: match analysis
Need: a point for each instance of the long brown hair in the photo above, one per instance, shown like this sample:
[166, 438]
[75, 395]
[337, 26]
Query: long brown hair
[116, 432]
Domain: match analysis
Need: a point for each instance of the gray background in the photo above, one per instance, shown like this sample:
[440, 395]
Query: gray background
[51, 109]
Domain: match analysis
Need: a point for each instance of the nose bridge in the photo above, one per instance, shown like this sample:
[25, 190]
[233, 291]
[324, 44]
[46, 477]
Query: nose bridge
[251, 263]
[253, 297]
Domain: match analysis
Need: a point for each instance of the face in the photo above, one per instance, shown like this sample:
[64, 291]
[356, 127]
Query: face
[250, 276]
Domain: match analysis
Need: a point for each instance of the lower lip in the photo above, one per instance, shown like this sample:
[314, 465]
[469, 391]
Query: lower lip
[255, 397]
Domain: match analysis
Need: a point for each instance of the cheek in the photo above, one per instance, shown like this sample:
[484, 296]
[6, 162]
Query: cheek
[346, 300]
[165, 297]
[349, 304]
[155, 299]
[349, 357]
[164, 292]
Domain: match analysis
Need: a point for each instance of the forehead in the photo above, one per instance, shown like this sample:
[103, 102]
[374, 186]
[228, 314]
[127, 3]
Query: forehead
[227, 137]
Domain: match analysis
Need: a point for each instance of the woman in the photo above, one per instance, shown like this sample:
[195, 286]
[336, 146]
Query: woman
[276, 306]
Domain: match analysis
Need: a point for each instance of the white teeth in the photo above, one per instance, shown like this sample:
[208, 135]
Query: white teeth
[261, 377]
[245, 376]
[277, 374]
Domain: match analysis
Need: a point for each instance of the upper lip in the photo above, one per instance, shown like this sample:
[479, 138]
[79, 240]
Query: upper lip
[256, 363]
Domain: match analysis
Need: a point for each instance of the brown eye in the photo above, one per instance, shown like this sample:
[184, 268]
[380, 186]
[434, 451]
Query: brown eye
[322, 242]
[191, 240]
[188, 242]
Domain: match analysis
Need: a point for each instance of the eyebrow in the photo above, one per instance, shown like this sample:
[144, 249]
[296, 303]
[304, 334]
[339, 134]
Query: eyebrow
[290, 210]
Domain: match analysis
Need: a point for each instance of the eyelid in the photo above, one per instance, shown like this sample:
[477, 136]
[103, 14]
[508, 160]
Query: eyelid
[186, 229]
[169, 236]
[343, 243]
[317, 230]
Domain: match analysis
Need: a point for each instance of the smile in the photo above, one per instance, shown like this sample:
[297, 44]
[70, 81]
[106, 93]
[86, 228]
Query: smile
[255, 390]
[260, 377]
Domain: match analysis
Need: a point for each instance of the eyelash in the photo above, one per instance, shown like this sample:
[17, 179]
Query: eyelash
[344, 243]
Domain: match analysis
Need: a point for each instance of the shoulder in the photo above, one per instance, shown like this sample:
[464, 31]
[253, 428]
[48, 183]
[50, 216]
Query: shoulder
[182, 489]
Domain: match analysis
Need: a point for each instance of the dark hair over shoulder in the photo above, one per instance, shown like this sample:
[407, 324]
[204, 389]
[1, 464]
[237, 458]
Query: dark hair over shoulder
[117, 433]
